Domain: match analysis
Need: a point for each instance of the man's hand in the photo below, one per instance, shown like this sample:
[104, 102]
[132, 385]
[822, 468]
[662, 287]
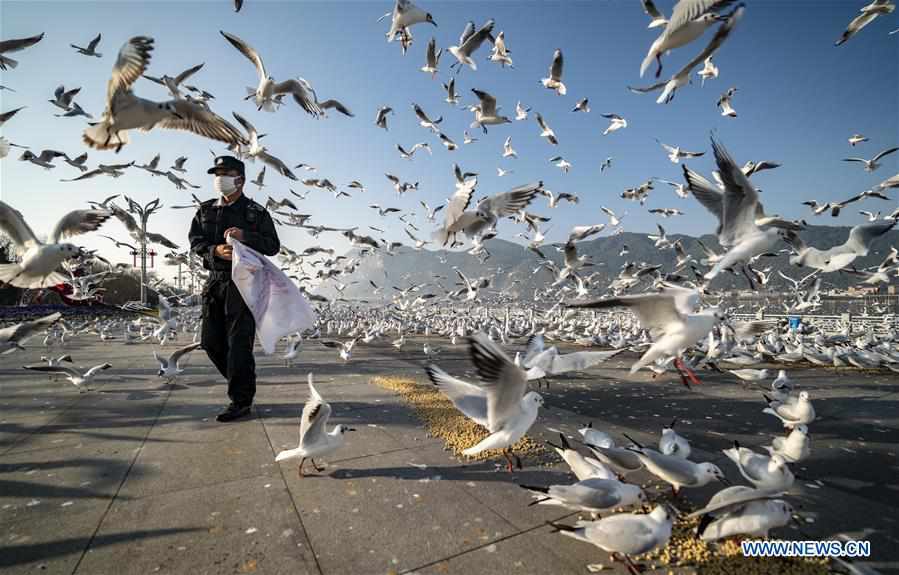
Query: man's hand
[236, 232]
[223, 251]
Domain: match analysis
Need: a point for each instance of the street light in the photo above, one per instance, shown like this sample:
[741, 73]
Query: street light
[143, 212]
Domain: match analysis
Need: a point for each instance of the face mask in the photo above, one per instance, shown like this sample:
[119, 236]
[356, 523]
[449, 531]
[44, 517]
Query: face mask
[224, 184]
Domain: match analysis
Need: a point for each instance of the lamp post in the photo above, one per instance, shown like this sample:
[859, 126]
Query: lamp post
[143, 212]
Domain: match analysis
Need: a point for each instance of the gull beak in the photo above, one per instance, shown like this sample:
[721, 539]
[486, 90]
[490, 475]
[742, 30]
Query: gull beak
[351, 429]
[724, 480]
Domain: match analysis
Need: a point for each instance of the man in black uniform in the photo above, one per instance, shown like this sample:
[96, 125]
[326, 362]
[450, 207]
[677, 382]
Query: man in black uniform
[229, 330]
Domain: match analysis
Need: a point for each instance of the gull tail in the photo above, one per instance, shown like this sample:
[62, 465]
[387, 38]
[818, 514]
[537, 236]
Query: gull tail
[647, 61]
[7, 62]
[288, 454]
[492, 441]
[561, 89]
[99, 136]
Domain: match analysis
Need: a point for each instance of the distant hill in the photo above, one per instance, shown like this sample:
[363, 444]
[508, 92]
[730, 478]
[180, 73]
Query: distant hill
[511, 266]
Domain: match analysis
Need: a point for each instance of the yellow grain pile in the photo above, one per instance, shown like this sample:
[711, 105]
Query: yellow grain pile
[444, 421]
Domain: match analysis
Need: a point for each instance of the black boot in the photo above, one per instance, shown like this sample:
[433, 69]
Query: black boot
[233, 412]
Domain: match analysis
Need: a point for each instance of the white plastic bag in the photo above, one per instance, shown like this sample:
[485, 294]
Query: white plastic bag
[276, 303]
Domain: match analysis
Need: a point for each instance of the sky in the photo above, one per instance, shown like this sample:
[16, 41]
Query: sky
[799, 99]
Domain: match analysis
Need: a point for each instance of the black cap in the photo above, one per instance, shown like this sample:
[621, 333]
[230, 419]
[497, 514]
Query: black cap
[226, 163]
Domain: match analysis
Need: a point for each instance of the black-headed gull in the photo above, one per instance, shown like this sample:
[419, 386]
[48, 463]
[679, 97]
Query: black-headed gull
[315, 439]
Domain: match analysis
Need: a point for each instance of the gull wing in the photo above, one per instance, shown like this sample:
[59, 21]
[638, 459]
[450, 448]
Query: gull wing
[78, 222]
[251, 54]
[200, 120]
[470, 399]
[656, 311]
[179, 353]
[315, 416]
[741, 201]
[13, 224]
[513, 201]
[504, 382]
[134, 57]
[860, 237]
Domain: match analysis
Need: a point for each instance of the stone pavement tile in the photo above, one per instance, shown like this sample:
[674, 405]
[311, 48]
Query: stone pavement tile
[97, 416]
[243, 526]
[222, 453]
[52, 544]
[378, 514]
[37, 486]
[186, 412]
[526, 553]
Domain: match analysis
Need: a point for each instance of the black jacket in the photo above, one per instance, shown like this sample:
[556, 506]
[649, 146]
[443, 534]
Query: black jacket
[208, 230]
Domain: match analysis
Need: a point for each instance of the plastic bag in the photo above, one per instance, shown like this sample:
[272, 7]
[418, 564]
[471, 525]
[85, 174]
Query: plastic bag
[276, 303]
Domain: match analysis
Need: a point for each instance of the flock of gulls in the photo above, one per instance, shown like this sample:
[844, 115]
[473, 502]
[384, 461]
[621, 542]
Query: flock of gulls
[666, 318]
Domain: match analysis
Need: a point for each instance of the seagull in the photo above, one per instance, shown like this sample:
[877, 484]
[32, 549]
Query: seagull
[501, 172]
[856, 139]
[114, 171]
[425, 121]
[168, 366]
[14, 45]
[709, 70]
[467, 139]
[74, 110]
[5, 116]
[178, 166]
[408, 155]
[429, 213]
[546, 131]
[682, 77]
[77, 378]
[125, 111]
[724, 103]
[563, 165]
[469, 43]
[406, 14]
[593, 495]
[871, 165]
[346, 347]
[838, 257]
[582, 106]
[554, 81]
[381, 118]
[791, 413]
[614, 220]
[500, 52]
[91, 49]
[677, 471]
[670, 443]
[447, 142]
[171, 83]
[260, 179]
[689, 20]
[12, 337]
[263, 95]
[624, 534]
[487, 212]
[508, 151]
[582, 467]
[671, 317]
[315, 440]
[63, 99]
[616, 123]
[770, 473]
[452, 97]
[868, 14]
[738, 211]
[433, 58]
[794, 447]
[501, 402]
[37, 268]
[485, 113]
[675, 153]
[521, 113]
[77, 162]
[741, 511]
[607, 163]
[44, 160]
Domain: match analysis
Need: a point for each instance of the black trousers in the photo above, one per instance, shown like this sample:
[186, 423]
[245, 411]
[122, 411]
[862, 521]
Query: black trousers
[227, 335]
